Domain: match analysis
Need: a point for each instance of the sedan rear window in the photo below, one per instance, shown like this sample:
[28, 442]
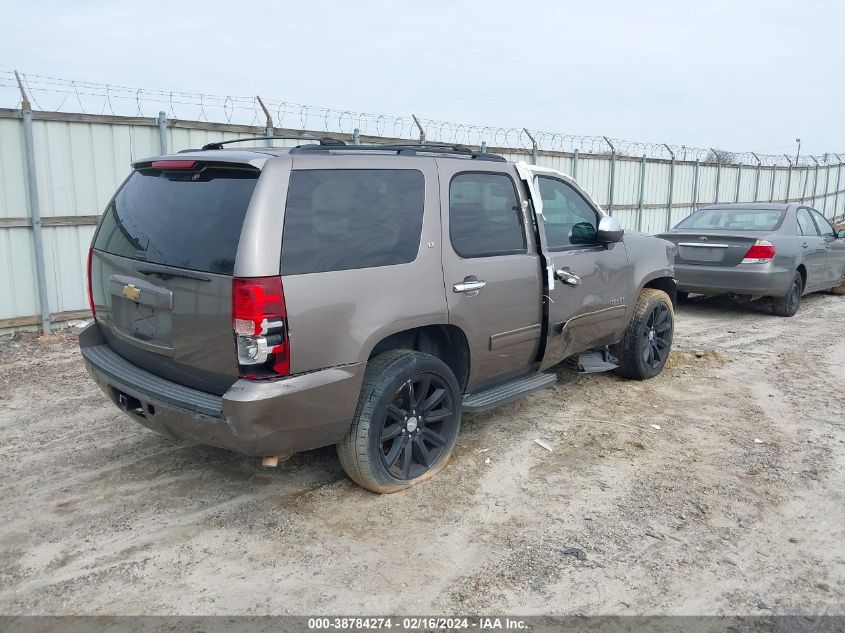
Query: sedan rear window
[733, 220]
[183, 219]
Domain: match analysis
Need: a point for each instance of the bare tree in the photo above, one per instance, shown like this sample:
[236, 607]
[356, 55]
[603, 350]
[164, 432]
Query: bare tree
[722, 156]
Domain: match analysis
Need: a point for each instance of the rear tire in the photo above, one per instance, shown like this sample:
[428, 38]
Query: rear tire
[788, 304]
[645, 347]
[840, 289]
[406, 423]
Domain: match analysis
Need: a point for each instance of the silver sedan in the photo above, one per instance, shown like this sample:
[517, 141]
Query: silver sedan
[782, 251]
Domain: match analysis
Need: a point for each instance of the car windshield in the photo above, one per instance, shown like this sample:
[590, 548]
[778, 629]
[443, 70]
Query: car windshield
[733, 219]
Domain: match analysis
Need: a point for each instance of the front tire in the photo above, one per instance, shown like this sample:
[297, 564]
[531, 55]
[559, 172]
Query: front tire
[788, 304]
[645, 347]
[406, 423]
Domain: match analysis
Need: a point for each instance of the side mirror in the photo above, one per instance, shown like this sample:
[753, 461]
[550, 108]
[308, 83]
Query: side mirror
[609, 231]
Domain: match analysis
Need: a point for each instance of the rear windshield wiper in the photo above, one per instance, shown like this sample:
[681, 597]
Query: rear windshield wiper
[167, 274]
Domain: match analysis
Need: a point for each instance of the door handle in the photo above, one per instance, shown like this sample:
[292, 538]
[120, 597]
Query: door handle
[469, 285]
[804, 245]
[567, 277]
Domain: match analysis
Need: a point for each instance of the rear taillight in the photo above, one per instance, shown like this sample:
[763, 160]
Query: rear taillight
[759, 253]
[259, 319]
[90, 288]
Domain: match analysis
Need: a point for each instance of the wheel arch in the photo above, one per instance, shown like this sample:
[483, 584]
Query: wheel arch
[441, 340]
[663, 282]
[802, 270]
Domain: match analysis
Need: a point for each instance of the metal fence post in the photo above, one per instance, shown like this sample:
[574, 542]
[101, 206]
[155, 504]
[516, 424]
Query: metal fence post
[788, 177]
[533, 146]
[815, 179]
[35, 208]
[268, 126]
[695, 186]
[826, 187]
[575, 165]
[420, 128]
[772, 187]
[641, 195]
[718, 173]
[738, 182]
[162, 132]
[838, 180]
[483, 147]
[756, 178]
[671, 188]
[356, 136]
[804, 186]
[612, 170]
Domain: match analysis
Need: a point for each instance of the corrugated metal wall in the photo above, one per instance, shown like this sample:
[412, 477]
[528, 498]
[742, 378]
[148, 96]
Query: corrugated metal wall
[82, 159]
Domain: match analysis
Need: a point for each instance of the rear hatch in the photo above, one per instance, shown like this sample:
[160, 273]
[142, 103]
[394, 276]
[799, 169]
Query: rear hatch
[161, 269]
[711, 248]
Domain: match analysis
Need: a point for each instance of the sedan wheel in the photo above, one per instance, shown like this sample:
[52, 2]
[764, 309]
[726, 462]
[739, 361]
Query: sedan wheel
[788, 304]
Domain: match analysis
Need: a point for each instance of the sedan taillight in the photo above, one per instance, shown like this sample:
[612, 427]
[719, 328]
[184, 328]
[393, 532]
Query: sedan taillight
[759, 253]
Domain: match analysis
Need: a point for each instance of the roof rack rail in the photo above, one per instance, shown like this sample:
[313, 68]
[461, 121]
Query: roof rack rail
[324, 140]
[403, 149]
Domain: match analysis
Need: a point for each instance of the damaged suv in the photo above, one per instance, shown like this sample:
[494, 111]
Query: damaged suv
[274, 300]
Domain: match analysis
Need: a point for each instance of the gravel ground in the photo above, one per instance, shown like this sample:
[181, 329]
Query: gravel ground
[735, 505]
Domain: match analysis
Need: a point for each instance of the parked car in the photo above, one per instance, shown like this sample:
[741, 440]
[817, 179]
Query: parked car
[270, 301]
[780, 251]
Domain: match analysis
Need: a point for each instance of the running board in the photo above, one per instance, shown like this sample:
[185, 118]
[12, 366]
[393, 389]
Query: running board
[509, 391]
[596, 361]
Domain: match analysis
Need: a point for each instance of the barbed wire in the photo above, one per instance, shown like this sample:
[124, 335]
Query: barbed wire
[54, 94]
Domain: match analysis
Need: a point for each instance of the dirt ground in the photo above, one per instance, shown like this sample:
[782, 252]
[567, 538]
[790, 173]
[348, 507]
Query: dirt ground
[735, 505]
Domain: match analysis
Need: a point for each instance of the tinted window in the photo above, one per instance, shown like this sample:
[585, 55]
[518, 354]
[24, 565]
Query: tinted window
[733, 220]
[567, 217]
[187, 220]
[823, 225]
[484, 216]
[805, 223]
[339, 219]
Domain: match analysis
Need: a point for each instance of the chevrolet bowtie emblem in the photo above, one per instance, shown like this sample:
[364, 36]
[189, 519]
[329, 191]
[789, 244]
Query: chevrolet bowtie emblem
[131, 292]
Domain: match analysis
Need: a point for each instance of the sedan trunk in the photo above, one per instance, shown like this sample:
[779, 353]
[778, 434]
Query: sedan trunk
[711, 248]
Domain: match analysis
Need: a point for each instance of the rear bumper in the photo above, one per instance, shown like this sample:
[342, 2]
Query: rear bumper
[742, 279]
[255, 418]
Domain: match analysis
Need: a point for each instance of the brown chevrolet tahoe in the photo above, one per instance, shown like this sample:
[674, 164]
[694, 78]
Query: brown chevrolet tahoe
[270, 301]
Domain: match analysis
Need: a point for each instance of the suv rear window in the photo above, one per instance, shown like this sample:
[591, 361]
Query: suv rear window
[340, 219]
[733, 219]
[188, 220]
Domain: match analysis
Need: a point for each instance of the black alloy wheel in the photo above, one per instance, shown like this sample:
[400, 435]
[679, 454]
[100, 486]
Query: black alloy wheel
[657, 336]
[416, 430]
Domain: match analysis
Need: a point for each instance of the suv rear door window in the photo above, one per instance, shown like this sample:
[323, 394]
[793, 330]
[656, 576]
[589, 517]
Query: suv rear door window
[341, 219]
[484, 216]
[187, 220]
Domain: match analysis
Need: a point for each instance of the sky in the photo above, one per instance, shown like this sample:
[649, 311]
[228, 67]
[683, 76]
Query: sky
[739, 76]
